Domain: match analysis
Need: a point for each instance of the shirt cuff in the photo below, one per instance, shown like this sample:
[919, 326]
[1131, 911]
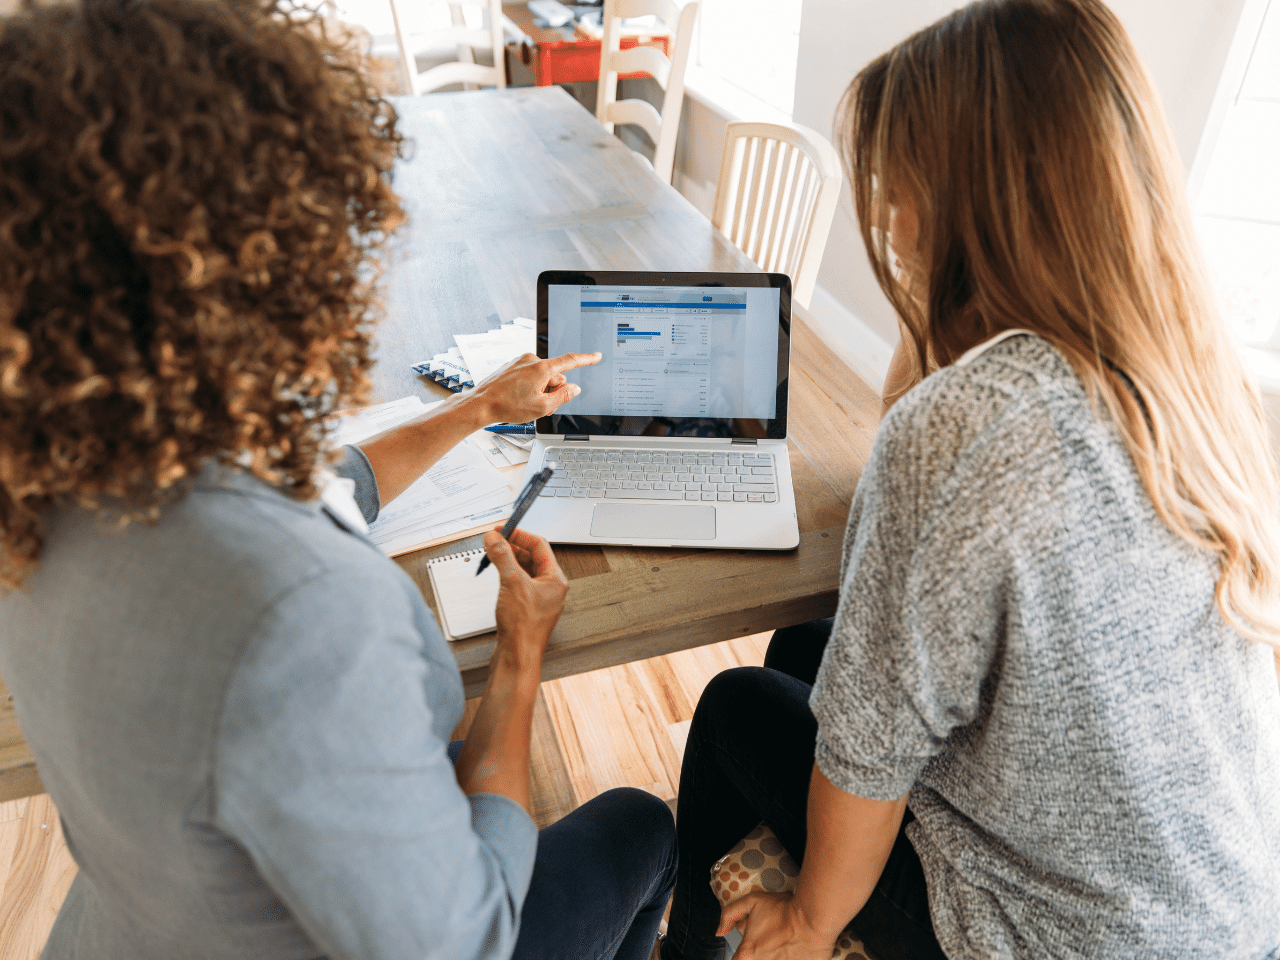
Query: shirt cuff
[506, 828]
[355, 466]
[869, 783]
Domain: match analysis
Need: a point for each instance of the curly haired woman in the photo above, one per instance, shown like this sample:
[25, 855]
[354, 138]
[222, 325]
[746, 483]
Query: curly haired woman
[1044, 721]
[239, 706]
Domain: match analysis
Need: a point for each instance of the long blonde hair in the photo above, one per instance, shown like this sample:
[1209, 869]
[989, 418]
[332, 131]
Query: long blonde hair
[1051, 198]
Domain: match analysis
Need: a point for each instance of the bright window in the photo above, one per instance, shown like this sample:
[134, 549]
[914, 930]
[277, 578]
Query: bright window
[1238, 208]
[751, 44]
[417, 16]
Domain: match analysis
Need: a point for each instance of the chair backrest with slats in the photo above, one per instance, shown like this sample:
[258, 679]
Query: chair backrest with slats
[669, 72]
[779, 185]
[465, 71]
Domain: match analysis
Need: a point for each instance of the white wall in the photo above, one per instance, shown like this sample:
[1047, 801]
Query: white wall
[698, 150]
[1184, 43]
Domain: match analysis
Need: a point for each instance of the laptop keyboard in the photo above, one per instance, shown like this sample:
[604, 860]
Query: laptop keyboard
[601, 473]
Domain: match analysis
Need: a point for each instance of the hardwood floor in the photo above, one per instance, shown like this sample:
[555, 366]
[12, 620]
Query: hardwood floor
[36, 870]
[624, 726]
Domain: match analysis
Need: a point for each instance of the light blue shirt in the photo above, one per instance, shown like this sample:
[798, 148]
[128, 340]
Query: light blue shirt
[242, 714]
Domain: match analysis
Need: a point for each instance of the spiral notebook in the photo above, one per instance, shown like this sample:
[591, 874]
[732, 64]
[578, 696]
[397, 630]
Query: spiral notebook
[464, 602]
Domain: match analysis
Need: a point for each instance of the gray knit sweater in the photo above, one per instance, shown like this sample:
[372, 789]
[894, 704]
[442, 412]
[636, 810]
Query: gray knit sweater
[1092, 754]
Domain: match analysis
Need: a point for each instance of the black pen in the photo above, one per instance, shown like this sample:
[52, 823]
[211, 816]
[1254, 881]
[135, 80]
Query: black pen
[523, 503]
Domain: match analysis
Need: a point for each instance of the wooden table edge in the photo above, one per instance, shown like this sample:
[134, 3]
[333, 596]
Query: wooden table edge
[598, 628]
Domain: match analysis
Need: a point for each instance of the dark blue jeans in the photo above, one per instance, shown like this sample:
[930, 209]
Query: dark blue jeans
[601, 879]
[748, 758]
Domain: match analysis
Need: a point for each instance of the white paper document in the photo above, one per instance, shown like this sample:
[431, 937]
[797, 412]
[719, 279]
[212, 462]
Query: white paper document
[483, 353]
[451, 366]
[499, 451]
[395, 544]
[515, 448]
[461, 491]
[368, 422]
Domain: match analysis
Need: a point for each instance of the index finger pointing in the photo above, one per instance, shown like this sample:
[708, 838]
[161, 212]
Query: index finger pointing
[569, 361]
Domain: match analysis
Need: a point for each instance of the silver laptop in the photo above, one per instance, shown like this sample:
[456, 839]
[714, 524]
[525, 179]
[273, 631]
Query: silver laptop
[679, 437]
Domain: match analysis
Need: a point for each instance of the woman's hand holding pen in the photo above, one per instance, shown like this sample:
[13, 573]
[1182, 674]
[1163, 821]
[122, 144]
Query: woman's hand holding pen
[531, 594]
[528, 388]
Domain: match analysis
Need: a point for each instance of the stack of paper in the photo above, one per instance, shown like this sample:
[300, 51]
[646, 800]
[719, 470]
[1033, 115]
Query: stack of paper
[479, 354]
[447, 369]
[461, 492]
[501, 450]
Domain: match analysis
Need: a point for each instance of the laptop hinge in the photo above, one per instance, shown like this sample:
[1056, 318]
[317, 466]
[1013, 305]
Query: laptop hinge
[577, 437]
[743, 440]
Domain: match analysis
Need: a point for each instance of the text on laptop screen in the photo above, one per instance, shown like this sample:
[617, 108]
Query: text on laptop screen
[669, 351]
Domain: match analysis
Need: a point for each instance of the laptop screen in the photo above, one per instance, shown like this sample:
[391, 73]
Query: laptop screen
[696, 355]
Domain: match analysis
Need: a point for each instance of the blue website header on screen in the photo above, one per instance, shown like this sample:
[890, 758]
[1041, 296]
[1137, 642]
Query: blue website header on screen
[669, 351]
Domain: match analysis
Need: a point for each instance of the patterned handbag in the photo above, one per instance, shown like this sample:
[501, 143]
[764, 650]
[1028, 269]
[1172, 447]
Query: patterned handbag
[759, 862]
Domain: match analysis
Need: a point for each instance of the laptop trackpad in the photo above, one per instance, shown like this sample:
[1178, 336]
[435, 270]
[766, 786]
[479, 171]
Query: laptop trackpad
[653, 521]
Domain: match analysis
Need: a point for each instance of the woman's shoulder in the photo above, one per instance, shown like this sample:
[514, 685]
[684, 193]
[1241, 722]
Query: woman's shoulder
[985, 384]
[1003, 428]
[261, 520]
[232, 575]
[1007, 394]
[231, 543]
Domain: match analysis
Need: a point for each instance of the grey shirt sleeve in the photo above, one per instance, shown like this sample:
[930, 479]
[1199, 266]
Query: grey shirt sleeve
[355, 466]
[333, 775]
[917, 629]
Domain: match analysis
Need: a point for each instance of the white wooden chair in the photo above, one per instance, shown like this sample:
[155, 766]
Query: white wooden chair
[779, 185]
[661, 127]
[465, 71]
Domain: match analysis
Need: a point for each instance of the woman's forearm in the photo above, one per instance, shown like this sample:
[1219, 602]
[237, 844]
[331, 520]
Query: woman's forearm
[525, 389]
[401, 456]
[495, 758]
[849, 842]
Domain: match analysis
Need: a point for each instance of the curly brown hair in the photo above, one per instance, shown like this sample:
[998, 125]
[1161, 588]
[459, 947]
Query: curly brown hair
[191, 192]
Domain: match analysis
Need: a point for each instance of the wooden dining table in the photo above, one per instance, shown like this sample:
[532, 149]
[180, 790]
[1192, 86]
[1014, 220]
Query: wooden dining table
[502, 185]
[498, 186]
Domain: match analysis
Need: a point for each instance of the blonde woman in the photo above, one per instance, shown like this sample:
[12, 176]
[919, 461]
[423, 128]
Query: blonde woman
[1046, 722]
